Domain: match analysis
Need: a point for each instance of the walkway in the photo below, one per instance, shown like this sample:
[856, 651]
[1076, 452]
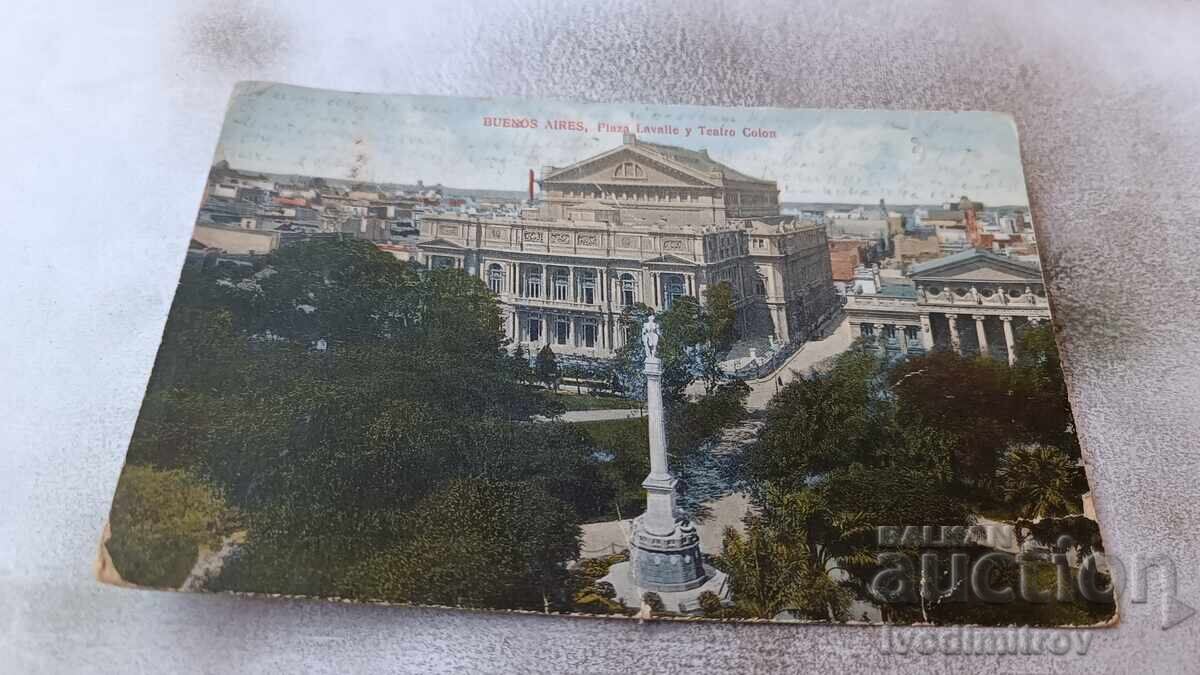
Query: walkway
[595, 415]
[808, 357]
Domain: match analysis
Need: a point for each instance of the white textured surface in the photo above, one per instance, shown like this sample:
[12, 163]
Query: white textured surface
[109, 118]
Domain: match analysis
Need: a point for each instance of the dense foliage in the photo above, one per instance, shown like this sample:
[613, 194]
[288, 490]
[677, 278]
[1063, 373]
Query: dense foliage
[356, 409]
[927, 440]
[160, 521]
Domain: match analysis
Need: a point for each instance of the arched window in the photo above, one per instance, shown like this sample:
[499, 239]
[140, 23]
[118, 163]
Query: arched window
[587, 287]
[562, 281]
[628, 289]
[495, 278]
[673, 289]
[533, 283]
[628, 170]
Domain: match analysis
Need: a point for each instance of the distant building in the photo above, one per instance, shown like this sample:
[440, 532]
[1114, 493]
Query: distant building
[236, 240]
[640, 223]
[916, 246]
[845, 255]
[974, 302]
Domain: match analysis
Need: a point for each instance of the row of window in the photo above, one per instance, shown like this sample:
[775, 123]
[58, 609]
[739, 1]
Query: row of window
[589, 332]
[674, 286]
[634, 195]
[889, 331]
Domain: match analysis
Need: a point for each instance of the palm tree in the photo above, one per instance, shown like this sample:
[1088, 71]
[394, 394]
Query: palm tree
[1040, 481]
[789, 554]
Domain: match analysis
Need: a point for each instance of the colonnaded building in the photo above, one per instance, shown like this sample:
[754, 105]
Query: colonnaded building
[974, 302]
[640, 223]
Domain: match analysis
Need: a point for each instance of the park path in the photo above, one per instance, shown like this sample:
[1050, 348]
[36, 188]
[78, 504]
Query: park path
[727, 510]
[812, 355]
[595, 415]
[209, 562]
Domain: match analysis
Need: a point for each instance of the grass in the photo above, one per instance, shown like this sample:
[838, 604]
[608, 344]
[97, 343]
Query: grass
[628, 443]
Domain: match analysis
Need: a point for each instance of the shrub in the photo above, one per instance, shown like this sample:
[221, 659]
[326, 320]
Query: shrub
[159, 521]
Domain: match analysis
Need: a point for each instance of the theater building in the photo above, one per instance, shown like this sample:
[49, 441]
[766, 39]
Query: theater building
[640, 223]
[974, 302]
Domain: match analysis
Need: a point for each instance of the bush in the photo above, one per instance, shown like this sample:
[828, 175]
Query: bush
[654, 600]
[159, 521]
[710, 603]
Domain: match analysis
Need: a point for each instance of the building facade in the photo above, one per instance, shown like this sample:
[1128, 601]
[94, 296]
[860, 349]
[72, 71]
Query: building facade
[974, 302]
[642, 223]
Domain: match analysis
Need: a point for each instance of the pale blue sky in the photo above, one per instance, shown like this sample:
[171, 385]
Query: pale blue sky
[818, 155]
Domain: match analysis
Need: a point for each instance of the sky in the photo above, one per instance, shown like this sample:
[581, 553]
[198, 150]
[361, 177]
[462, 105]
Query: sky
[856, 156]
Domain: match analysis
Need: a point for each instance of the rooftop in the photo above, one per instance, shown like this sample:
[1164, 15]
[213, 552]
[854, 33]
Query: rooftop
[697, 160]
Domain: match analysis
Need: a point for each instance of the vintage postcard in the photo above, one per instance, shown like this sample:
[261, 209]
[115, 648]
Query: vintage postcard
[613, 359]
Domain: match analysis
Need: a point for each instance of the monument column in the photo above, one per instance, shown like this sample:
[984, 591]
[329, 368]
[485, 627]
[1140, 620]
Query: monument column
[1009, 342]
[660, 485]
[981, 333]
[664, 554]
[954, 339]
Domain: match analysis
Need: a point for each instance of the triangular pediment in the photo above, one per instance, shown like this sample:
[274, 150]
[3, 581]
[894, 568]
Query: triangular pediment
[671, 259]
[629, 165]
[976, 266]
[438, 243]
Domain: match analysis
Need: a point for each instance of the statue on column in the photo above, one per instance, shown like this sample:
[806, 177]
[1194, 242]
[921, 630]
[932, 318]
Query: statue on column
[664, 553]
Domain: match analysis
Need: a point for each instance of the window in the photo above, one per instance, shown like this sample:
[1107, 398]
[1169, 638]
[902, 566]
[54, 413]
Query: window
[587, 287]
[673, 289]
[562, 331]
[562, 280]
[629, 170]
[589, 334]
[866, 330]
[495, 278]
[534, 329]
[533, 283]
[910, 334]
[628, 289]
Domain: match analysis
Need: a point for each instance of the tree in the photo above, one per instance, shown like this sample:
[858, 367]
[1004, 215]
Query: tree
[521, 370]
[721, 317]
[970, 398]
[331, 392]
[546, 367]
[159, 522]
[823, 421]
[1040, 481]
[1040, 390]
[478, 543]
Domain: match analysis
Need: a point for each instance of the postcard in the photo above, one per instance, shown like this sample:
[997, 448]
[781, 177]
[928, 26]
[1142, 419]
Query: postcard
[613, 360]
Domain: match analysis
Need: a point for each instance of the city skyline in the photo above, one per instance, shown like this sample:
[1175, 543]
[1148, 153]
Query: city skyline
[817, 156]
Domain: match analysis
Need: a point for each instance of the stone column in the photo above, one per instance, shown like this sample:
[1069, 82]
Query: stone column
[926, 333]
[880, 337]
[903, 338]
[546, 292]
[1009, 342]
[660, 484]
[954, 339]
[981, 333]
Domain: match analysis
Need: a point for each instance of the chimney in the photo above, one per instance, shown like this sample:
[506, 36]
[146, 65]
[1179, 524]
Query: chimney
[531, 185]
